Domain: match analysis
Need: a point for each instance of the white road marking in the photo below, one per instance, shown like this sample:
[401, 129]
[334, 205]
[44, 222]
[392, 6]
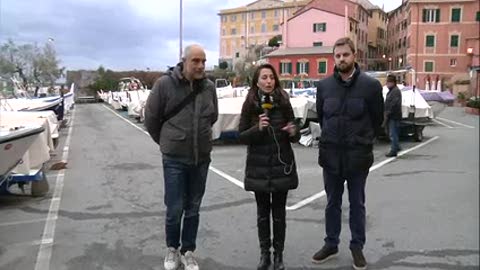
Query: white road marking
[126, 120]
[213, 169]
[228, 177]
[322, 193]
[16, 223]
[455, 122]
[441, 123]
[308, 200]
[45, 251]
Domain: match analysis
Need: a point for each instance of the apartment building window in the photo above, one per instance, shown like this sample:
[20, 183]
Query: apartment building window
[319, 27]
[285, 68]
[233, 31]
[453, 62]
[276, 13]
[380, 33]
[275, 28]
[302, 67]
[317, 44]
[233, 18]
[224, 18]
[404, 42]
[431, 15]
[252, 29]
[322, 67]
[237, 55]
[400, 43]
[264, 28]
[456, 14]
[430, 41]
[428, 66]
[252, 15]
[454, 41]
[478, 16]
[264, 14]
[244, 16]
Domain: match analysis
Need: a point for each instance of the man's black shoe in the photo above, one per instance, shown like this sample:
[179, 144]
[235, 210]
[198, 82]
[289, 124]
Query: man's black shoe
[324, 254]
[359, 262]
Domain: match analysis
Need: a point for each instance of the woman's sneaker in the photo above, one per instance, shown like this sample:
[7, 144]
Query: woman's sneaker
[189, 262]
[172, 259]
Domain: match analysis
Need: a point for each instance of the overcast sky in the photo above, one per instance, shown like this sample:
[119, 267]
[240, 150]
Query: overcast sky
[119, 34]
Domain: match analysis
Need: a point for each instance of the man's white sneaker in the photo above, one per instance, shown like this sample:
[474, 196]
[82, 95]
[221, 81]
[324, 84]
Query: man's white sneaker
[172, 259]
[189, 262]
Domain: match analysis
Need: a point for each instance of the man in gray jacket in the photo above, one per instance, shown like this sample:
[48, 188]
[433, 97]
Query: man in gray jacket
[185, 143]
[393, 114]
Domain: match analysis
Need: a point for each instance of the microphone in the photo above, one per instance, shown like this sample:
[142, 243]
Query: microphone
[266, 103]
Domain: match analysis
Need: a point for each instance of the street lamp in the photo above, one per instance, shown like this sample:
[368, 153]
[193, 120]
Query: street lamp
[383, 62]
[181, 30]
[389, 63]
[400, 60]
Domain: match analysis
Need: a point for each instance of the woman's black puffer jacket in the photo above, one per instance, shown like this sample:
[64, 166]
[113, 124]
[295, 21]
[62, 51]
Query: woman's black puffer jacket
[267, 170]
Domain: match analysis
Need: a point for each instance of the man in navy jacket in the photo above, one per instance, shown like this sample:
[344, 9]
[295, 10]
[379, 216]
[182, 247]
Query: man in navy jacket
[350, 112]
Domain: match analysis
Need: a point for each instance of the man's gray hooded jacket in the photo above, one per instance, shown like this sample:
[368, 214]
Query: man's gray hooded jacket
[186, 136]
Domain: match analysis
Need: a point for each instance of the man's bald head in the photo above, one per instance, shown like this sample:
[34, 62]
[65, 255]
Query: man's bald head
[194, 59]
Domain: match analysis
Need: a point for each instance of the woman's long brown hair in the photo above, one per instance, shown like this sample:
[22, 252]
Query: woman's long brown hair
[278, 93]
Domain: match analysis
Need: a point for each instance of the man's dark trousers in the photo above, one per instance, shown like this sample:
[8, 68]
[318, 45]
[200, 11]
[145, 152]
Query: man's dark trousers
[334, 186]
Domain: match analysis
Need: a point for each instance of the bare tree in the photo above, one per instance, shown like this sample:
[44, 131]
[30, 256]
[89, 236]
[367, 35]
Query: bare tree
[32, 63]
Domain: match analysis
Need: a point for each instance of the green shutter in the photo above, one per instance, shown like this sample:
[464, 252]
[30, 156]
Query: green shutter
[290, 68]
[307, 68]
[424, 15]
[454, 41]
[324, 27]
[430, 41]
[298, 68]
[428, 67]
[280, 68]
[437, 19]
[456, 14]
[478, 16]
[314, 28]
[322, 67]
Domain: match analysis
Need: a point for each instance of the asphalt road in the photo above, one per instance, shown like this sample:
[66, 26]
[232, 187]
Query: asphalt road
[422, 207]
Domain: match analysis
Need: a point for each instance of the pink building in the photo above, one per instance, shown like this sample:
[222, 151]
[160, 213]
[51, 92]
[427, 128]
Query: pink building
[314, 27]
[311, 32]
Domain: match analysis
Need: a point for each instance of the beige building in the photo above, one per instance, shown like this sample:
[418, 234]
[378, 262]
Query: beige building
[255, 23]
[377, 39]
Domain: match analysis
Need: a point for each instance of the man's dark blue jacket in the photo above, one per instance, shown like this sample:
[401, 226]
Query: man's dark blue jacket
[350, 114]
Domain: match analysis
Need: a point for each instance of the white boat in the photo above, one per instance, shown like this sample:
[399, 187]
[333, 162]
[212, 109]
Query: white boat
[14, 144]
[224, 89]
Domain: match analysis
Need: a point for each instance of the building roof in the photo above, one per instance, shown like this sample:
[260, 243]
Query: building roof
[256, 5]
[365, 4]
[330, 6]
[301, 51]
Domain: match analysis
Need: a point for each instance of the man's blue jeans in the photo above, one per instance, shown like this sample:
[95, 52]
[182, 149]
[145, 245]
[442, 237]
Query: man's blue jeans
[184, 189]
[393, 131]
[333, 212]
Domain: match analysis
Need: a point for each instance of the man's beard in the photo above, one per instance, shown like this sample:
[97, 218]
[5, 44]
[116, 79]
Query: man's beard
[345, 68]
